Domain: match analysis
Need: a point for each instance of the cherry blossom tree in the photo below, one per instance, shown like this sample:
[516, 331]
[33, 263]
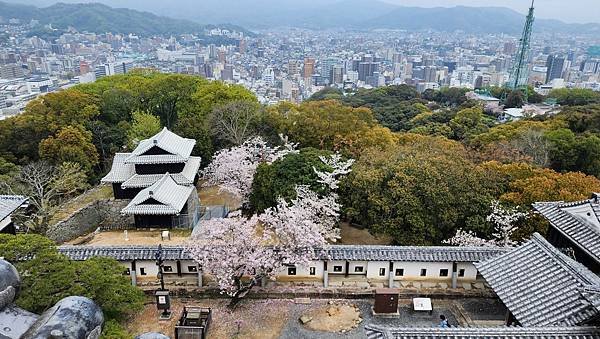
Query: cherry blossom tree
[235, 253]
[233, 169]
[241, 252]
[504, 220]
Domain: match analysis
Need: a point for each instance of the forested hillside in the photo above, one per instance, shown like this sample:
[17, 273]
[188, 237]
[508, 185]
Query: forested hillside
[426, 165]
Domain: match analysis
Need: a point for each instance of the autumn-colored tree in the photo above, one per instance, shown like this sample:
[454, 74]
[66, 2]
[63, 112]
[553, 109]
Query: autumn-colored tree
[70, 144]
[329, 125]
[469, 122]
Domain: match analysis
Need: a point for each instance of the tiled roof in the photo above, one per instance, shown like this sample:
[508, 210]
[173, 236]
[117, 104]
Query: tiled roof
[575, 332]
[186, 177]
[342, 252]
[9, 203]
[578, 221]
[123, 253]
[120, 171]
[179, 149]
[170, 198]
[541, 286]
[414, 253]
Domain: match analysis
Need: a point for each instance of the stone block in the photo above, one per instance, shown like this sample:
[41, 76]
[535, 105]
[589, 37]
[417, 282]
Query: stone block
[467, 286]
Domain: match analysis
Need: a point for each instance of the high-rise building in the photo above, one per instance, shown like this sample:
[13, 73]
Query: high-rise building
[337, 75]
[309, 67]
[555, 66]
[327, 66]
[243, 46]
[293, 67]
[11, 71]
[367, 69]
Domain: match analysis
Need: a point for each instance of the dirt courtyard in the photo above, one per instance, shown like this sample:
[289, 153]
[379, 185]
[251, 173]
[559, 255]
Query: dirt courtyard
[134, 237]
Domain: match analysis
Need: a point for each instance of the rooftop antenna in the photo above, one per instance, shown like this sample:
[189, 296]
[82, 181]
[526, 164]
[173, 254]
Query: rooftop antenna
[520, 70]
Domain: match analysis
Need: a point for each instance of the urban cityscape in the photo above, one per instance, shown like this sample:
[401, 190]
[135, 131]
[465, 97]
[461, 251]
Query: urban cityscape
[276, 169]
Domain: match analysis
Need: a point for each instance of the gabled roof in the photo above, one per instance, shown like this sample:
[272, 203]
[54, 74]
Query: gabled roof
[186, 177]
[9, 203]
[120, 171]
[541, 286]
[574, 332]
[337, 252]
[578, 221]
[165, 195]
[178, 149]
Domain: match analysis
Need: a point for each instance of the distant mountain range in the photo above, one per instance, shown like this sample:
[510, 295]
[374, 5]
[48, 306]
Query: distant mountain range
[99, 18]
[314, 14]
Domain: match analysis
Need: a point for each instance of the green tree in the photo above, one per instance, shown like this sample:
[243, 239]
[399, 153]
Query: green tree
[143, 126]
[49, 276]
[280, 178]
[419, 193]
[575, 96]
[514, 99]
[112, 329]
[70, 144]
[468, 122]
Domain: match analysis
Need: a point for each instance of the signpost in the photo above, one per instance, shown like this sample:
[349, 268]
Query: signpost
[163, 300]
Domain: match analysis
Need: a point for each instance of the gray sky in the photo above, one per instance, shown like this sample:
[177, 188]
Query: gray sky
[580, 11]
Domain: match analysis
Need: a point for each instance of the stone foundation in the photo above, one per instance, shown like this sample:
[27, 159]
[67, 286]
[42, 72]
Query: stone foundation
[87, 219]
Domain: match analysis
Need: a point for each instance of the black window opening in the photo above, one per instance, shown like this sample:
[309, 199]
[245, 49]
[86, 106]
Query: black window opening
[461, 272]
[291, 270]
[192, 268]
[142, 271]
[423, 272]
[127, 271]
[359, 269]
[337, 268]
[313, 271]
[399, 272]
[443, 272]
[167, 269]
[381, 272]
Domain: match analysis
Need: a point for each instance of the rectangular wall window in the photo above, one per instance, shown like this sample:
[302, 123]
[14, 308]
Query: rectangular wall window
[127, 271]
[192, 268]
[291, 271]
[423, 272]
[337, 268]
[313, 271]
[167, 269]
[399, 272]
[443, 272]
[382, 272]
[461, 272]
[358, 269]
[142, 271]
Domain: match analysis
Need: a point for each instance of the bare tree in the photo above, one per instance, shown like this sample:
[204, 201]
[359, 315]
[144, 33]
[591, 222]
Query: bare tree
[534, 144]
[234, 122]
[46, 186]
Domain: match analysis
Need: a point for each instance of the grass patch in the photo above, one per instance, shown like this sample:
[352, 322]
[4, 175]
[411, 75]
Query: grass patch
[69, 207]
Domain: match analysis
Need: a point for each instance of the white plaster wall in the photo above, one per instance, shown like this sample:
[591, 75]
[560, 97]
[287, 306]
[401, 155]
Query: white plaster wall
[185, 264]
[470, 271]
[412, 270]
[354, 264]
[373, 270]
[302, 272]
[149, 267]
[333, 263]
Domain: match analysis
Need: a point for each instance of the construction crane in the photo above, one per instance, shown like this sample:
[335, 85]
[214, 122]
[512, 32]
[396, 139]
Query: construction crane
[520, 69]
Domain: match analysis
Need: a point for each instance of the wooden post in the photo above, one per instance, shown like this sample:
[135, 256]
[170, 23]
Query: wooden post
[179, 268]
[199, 276]
[133, 274]
[454, 274]
[391, 275]
[325, 274]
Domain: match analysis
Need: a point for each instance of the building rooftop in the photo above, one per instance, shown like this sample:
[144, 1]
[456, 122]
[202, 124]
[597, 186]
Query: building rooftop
[186, 177]
[178, 149]
[378, 332]
[578, 221]
[542, 286]
[336, 252]
[164, 197]
[120, 171]
[9, 203]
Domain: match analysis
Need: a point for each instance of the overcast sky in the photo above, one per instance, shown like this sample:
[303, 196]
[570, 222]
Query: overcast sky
[580, 11]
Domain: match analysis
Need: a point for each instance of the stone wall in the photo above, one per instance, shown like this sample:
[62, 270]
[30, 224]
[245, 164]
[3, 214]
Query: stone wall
[100, 213]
